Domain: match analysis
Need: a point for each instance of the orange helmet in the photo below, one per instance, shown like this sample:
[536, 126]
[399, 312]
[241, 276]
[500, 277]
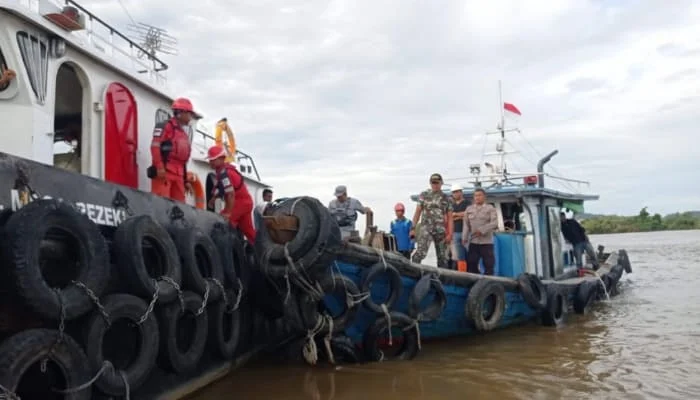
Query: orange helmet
[183, 104]
[215, 152]
[399, 207]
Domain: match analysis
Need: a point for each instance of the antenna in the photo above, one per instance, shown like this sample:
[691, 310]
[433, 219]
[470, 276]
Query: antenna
[153, 39]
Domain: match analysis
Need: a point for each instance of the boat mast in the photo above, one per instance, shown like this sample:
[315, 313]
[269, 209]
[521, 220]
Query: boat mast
[499, 172]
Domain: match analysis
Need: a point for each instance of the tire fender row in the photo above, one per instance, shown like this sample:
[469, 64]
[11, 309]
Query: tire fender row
[204, 274]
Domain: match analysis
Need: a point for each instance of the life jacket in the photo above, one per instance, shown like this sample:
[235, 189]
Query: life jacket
[228, 178]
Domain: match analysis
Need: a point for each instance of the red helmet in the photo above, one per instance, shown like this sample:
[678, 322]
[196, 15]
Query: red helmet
[215, 152]
[183, 104]
[399, 207]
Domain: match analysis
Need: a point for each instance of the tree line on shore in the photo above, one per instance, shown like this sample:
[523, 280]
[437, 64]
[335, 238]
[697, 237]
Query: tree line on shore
[643, 222]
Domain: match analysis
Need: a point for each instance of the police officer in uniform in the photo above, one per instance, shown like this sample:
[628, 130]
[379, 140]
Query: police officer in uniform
[436, 224]
[170, 152]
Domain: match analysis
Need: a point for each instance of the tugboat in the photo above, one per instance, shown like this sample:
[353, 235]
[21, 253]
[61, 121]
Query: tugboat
[372, 297]
[108, 290]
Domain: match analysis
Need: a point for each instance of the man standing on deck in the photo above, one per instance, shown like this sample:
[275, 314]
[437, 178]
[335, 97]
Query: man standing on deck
[479, 223]
[436, 224]
[260, 208]
[344, 209]
[575, 234]
[401, 229]
[459, 205]
[170, 152]
[230, 185]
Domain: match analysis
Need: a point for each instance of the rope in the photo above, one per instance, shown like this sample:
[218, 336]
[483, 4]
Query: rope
[127, 390]
[105, 365]
[417, 326]
[205, 299]
[388, 320]
[327, 339]
[310, 351]
[7, 394]
[381, 254]
[61, 329]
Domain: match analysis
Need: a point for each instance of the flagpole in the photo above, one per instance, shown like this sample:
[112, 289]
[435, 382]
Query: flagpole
[500, 106]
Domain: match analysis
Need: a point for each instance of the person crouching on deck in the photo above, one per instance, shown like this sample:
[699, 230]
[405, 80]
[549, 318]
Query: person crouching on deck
[436, 225]
[170, 152]
[230, 186]
[479, 223]
[401, 229]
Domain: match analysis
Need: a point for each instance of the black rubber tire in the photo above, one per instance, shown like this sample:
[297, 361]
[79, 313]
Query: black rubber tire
[267, 295]
[344, 351]
[479, 293]
[171, 357]
[200, 261]
[4, 216]
[225, 327]
[20, 352]
[316, 236]
[557, 307]
[222, 237]
[424, 285]
[585, 295]
[533, 291]
[623, 259]
[395, 286]
[21, 247]
[130, 308]
[409, 347]
[129, 254]
[312, 309]
[304, 209]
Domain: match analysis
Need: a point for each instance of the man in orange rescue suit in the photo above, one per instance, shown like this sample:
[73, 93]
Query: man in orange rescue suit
[170, 151]
[230, 186]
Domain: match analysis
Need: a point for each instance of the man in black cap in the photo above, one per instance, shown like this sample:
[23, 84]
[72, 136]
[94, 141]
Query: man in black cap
[436, 225]
[344, 209]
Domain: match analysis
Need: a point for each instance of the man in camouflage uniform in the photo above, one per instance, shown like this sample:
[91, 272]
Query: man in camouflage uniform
[436, 225]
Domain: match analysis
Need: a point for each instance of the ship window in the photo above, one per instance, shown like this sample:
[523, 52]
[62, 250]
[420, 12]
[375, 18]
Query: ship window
[34, 51]
[4, 66]
[162, 115]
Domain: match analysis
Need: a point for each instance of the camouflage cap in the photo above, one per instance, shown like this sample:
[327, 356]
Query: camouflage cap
[435, 177]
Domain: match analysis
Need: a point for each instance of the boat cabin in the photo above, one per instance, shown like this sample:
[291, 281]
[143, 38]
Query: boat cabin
[529, 236]
[86, 97]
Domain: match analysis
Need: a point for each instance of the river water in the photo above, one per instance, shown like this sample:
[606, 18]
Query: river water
[642, 344]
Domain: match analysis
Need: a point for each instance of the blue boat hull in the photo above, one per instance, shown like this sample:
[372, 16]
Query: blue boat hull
[452, 322]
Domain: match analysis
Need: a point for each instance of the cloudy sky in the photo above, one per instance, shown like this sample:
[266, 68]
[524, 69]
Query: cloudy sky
[377, 95]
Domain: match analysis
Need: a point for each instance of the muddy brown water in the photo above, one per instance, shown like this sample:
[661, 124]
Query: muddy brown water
[643, 344]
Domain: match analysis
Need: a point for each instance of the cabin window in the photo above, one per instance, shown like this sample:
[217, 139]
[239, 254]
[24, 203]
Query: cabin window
[4, 66]
[162, 115]
[511, 216]
[34, 51]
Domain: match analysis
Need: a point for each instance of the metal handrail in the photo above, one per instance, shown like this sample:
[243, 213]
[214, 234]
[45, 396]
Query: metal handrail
[162, 66]
[239, 154]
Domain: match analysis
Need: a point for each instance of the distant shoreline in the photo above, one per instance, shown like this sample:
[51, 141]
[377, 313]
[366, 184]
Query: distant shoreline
[643, 222]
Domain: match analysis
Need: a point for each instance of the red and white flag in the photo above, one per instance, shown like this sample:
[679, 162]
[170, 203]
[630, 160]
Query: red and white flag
[511, 109]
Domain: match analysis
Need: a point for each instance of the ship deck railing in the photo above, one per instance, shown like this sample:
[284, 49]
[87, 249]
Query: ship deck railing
[102, 39]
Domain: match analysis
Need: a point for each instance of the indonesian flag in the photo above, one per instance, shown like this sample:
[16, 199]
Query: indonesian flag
[511, 108]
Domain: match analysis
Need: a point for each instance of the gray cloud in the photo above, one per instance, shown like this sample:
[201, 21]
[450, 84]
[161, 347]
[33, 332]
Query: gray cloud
[378, 95]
